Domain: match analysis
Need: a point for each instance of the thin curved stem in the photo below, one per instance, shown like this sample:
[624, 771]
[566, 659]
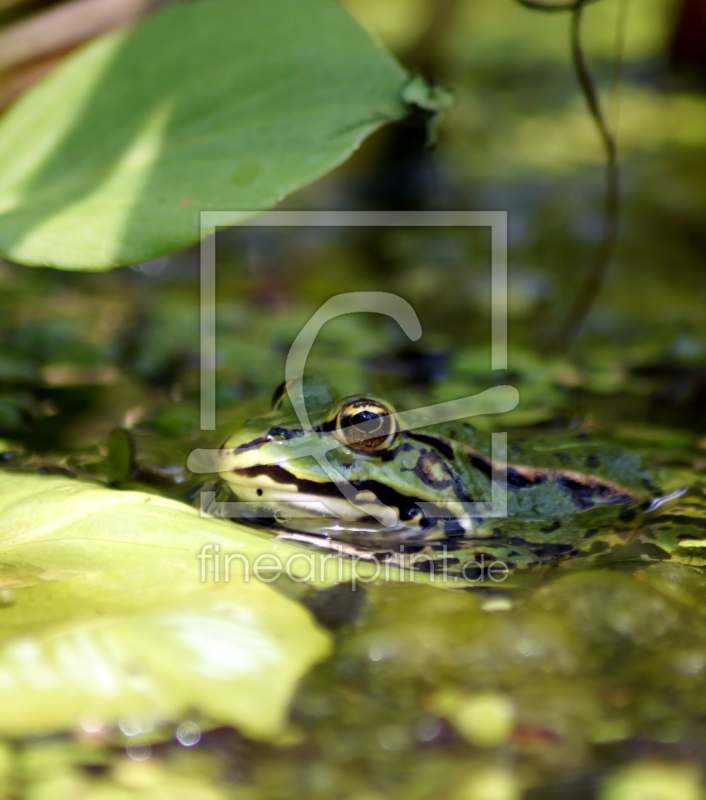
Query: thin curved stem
[569, 5]
[603, 257]
[620, 45]
[588, 292]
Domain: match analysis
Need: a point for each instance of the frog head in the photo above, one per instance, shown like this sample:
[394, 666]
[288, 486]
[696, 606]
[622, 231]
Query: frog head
[369, 473]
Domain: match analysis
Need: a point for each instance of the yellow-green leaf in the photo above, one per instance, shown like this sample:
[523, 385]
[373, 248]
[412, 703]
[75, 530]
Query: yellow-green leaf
[104, 615]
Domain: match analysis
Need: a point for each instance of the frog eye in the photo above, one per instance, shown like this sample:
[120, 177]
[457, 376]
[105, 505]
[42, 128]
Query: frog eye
[366, 426]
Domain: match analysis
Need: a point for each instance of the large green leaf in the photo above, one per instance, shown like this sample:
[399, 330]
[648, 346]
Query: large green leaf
[104, 614]
[220, 104]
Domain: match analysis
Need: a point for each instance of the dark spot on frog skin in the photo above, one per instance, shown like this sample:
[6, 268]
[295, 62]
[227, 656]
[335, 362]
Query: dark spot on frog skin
[564, 457]
[576, 489]
[482, 464]
[686, 537]
[432, 567]
[446, 545]
[627, 515]
[410, 549]
[584, 493]
[388, 455]
[259, 492]
[437, 442]
[452, 527]
[551, 549]
[552, 526]
[439, 565]
[516, 480]
[477, 568]
[325, 427]
[593, 461]
[432, 470]
[590, 532]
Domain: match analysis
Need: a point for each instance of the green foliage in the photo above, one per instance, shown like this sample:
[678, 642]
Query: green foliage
[104, 614]
[213, 105]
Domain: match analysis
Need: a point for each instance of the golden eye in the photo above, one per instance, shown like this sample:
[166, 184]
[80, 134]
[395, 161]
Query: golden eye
[365, 425]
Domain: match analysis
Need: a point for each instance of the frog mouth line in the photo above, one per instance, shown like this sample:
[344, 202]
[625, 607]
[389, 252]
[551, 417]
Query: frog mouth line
[407, 507]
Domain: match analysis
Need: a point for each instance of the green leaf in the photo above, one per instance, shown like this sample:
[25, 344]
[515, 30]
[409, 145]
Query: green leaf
[220, 104]
[103, 615]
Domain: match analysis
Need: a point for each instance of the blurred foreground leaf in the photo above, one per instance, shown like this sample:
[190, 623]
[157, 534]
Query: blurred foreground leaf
[103, 615]
[213, 105]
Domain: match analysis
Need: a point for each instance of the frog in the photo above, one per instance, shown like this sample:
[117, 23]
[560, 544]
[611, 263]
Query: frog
[379, 489]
